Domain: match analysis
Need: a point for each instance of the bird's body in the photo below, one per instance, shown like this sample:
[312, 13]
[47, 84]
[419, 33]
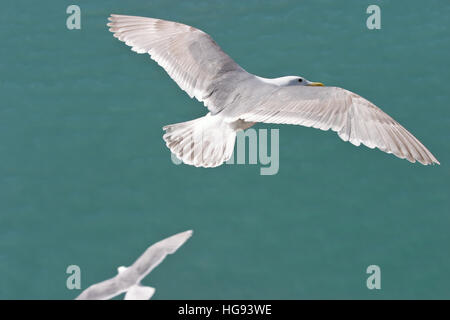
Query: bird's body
[237, 99]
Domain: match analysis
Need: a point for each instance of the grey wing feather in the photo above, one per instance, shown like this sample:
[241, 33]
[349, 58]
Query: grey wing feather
[354, 118]
[190, 56]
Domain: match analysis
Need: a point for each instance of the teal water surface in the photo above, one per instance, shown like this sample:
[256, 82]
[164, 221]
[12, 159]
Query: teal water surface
[86, 178]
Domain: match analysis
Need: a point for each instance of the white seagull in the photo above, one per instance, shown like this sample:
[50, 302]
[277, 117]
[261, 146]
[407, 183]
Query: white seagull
[129, 279]
[237, 99]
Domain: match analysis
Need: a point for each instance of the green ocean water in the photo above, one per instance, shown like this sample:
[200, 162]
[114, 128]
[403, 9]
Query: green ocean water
[86, 179]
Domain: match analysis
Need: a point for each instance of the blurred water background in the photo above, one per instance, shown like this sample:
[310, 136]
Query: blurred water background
[86, 179]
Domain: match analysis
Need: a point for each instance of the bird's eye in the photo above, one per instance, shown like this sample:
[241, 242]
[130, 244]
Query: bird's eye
[300, 80]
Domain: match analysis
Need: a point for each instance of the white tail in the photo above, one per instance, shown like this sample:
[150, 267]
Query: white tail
[138, 292]
[204, 142]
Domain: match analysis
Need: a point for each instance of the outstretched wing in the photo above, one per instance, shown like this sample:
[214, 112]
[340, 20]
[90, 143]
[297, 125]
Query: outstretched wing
[354, 118]
[190, 56]
[154, 255]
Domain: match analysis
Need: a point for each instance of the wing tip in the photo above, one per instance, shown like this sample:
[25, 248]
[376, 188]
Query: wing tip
[113, 16]
[189, 233]
[434, 162]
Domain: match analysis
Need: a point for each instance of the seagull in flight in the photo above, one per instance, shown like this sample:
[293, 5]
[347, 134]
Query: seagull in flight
[129, 279]
[237, 99]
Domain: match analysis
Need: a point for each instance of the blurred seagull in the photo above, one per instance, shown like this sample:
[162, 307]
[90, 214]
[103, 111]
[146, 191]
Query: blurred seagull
[129, 279]
[236, 99]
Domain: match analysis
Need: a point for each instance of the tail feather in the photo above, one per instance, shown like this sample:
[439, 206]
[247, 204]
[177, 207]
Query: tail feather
[138, 292]
[204, 142]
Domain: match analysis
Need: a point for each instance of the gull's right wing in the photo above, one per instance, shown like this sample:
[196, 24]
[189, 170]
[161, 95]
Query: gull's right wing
[190, 56]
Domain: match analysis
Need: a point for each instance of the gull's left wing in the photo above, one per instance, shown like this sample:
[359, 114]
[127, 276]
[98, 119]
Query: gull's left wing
[354, 118]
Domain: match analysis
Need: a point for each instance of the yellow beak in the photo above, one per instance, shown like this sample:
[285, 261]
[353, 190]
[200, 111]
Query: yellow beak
[315, 84]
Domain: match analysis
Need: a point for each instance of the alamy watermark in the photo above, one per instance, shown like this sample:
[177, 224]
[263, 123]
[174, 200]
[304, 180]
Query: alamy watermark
[74, 279]
[374, 280]
[74, 19]
[374, 20]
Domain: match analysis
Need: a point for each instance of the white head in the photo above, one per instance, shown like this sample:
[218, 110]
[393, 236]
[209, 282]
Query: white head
[295, 81]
